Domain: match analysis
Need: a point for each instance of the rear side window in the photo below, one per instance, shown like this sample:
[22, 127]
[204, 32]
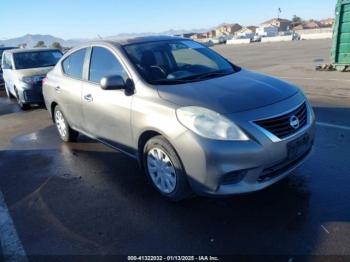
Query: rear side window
[73, 65]
[104, 63]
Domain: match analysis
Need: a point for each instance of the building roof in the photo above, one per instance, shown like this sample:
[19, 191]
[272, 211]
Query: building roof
[311, 24]
[252, 27]
[298, 27]
[328, 21]
[231, 25]
[248, 28]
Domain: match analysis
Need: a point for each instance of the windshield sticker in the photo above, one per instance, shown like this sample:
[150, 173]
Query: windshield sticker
[192, 44]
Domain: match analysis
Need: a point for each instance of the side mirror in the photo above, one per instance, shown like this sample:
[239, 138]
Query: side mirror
[112, 83]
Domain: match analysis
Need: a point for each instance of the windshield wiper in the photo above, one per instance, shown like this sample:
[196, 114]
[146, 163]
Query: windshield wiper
[206, 75]
[189, 79]
[169, 81]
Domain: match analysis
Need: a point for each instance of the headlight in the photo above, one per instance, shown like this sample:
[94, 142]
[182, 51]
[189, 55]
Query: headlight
[31, 79]
[209, 124]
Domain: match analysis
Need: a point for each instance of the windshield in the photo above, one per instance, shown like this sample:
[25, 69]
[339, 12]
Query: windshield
[36, 59]
[176, 61]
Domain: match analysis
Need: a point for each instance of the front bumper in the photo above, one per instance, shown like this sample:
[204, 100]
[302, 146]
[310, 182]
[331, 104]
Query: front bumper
[31, 94]
[236, 167]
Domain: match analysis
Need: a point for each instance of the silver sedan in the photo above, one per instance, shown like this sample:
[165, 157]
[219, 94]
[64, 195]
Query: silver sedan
[194, 121]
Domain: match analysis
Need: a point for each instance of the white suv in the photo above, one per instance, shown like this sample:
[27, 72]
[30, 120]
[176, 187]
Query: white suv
[23, 72]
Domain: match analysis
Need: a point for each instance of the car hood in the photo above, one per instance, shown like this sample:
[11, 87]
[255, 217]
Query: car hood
[33, 71]
[242, 91]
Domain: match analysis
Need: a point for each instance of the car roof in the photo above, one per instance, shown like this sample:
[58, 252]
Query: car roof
[137, 40]
[2, 48]
[26, 50]
[145, 39]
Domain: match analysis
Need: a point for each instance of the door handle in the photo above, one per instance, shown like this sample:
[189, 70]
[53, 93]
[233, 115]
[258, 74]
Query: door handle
[88, 98]
[58, 89]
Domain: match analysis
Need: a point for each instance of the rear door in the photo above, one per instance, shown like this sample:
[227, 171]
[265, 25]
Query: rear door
[69, 89]
[106, 112]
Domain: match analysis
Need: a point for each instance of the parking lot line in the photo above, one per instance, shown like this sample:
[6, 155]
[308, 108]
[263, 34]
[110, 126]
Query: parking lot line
[313, 79]
[11, 245]
[333, 126]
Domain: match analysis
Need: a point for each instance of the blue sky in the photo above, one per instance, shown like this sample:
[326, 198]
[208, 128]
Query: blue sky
[89, 18]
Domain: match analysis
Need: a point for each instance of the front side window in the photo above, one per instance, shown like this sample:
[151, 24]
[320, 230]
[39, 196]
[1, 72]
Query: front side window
[36, 59]
[73, 65]
[7, 61]
[1, 53]
[103, 63]
[176, 61]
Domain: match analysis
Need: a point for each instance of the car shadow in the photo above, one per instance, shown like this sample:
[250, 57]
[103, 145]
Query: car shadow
[110, 192]
[10, 106]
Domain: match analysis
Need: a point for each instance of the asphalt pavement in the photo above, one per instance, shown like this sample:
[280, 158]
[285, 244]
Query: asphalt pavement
[85, 199]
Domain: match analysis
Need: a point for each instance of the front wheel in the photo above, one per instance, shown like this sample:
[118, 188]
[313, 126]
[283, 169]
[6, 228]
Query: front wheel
[66, 133]
[164, 169]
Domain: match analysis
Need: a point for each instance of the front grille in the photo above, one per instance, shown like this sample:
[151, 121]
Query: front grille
[33, 96]
[281, 126]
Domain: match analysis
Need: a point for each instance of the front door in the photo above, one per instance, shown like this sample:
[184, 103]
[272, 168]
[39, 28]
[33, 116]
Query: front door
[106, 112]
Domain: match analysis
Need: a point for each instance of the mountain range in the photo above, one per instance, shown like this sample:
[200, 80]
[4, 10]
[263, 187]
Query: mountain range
[32, 39]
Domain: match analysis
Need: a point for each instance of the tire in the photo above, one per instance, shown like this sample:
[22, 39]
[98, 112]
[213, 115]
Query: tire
[174, 178]
[66, 133]
[22, 105]
[42, 105]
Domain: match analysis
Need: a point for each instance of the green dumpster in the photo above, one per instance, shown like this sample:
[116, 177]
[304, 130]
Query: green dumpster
[341, 36]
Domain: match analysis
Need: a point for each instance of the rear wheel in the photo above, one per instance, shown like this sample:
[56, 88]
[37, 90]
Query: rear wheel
[164, 169]
[66, 133]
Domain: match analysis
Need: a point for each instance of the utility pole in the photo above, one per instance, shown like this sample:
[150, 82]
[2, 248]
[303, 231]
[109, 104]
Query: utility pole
[279, 12]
